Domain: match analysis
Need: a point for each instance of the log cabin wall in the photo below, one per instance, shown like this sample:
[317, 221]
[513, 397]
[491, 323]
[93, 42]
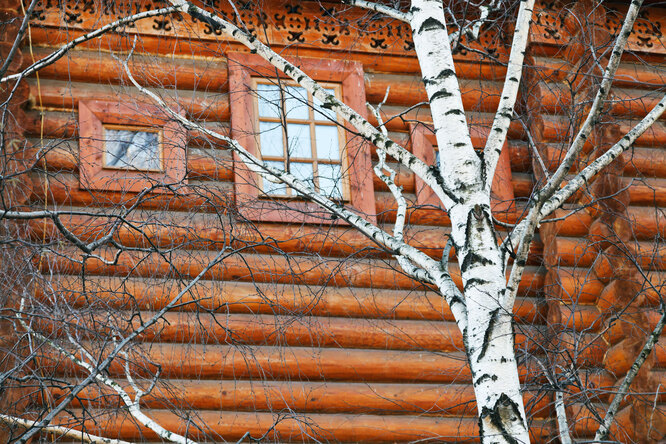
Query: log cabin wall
[313, 333]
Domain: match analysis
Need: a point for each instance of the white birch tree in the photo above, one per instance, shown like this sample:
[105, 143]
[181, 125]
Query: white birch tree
[483, 308]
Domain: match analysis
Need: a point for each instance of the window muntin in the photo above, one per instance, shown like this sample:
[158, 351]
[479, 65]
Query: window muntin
[297, 134]
[133, 148]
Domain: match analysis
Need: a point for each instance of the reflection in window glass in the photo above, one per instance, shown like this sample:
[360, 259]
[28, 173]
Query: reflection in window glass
[270, 137]
[330, 181]
[138, 150]
[269, 100]
[328, 146]
[298, 135]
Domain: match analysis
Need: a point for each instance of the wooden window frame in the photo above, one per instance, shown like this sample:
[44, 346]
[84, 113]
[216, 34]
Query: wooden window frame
[423, 146]
[95, 115]
[355, 153]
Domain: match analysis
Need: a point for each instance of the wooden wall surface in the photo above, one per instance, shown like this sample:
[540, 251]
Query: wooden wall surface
[304, 333]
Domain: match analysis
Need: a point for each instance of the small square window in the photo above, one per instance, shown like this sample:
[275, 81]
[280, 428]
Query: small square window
[280, 122]
[129, 147]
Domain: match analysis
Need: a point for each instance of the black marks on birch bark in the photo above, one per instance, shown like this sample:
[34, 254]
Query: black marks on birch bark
[486, 335]
[485, 377]
[503, 412]
[431, 24]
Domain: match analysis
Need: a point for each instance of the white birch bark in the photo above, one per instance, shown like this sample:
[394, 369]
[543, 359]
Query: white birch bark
[489, 335]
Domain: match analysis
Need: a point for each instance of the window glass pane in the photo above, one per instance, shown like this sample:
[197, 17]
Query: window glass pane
[268, 100]
[298, 137]
[296, 103]
[302, 171]
[270, 138]
[328, 146]
[321, 113]
[330, 180]
[132, 149]
[278, 189]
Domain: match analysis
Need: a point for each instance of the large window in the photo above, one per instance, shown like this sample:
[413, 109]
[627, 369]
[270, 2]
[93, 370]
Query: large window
[297, 135]
[278, 121]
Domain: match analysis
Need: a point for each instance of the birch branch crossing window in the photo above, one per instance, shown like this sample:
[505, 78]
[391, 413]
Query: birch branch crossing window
[298, 135]
[280, 122]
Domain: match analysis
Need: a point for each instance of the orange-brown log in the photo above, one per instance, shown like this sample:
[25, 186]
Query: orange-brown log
[633, 102]
[557, 128]
[586, 349]
[302, 396]
[100, 67]
[295, 331]
[477, 95]
[584, 421]
[575, 224]
[62, 95]
[194, 361]
[202, 232]
[65, 191]
[647, 222]
[575, 252]
[581, 317]
[578, 285]
[650, 162]
[275, 269]
[522, 184]
[650, 192]
[278, 427]
[239, 297]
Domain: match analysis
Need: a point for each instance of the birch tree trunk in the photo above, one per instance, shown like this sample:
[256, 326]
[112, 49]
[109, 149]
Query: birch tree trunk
[488, 336]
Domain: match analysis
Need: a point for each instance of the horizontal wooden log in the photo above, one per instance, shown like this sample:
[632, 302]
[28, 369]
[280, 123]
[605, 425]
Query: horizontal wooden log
[575, 252]
[558, 98]
[584, 349]
[650, 162]
[62, 95]
[186, 73]
[522, 184]
[239, 297]
[581, 317]
[194, 361]
[477, 95]
[650, 192]
[232, 426]
[295, 331]
[578, 285]
[647, 223]
[179, 230]
[275, 269]
[315, 397]
[556, 128]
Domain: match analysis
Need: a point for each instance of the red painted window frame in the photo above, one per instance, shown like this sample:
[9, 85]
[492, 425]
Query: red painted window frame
[423, 143]
[242, 68]
[94, 114]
